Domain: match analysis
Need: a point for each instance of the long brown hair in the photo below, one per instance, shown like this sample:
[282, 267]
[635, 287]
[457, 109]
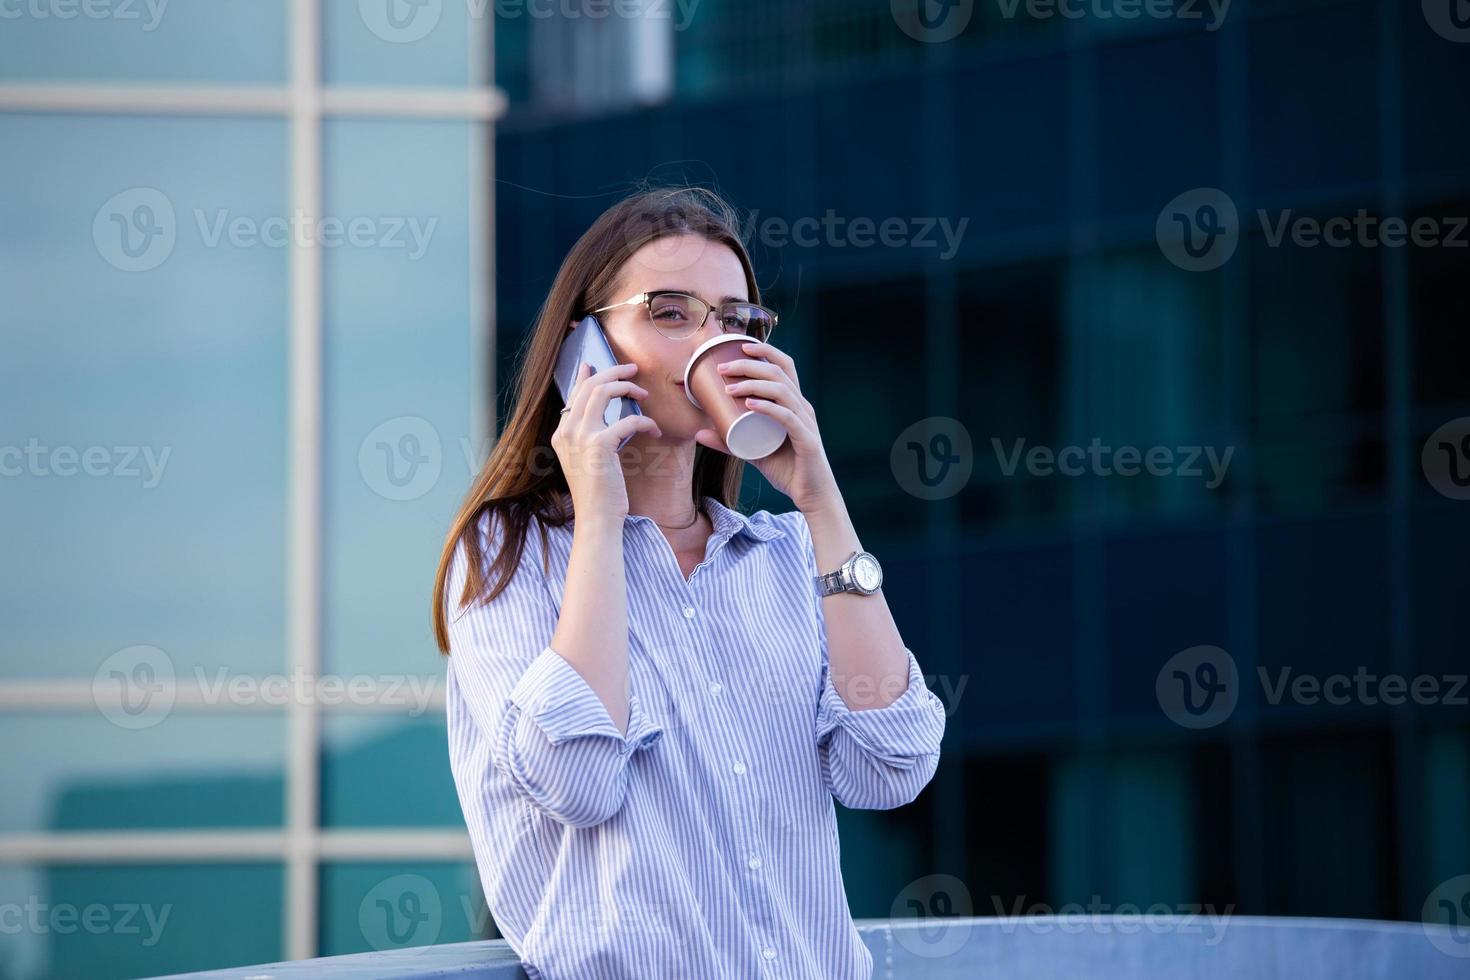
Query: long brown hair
[523, 475]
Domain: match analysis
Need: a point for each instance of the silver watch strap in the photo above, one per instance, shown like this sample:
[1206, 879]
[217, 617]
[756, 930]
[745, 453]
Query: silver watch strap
[833, 581]
[829, 583]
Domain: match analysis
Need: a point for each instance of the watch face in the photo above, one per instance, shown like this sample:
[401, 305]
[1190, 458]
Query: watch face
[867, 573]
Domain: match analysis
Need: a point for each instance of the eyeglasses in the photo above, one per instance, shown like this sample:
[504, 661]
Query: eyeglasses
[678, 315]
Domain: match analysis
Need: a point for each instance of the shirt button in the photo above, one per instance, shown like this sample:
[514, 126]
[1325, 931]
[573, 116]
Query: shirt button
[716, 687]
[688, 612]
[769, 952]
[739, 768]
[754, 863]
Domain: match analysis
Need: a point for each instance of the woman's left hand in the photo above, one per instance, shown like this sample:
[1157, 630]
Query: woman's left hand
[799, 469]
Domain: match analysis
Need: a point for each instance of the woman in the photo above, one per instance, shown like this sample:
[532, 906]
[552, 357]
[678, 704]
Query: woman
[650, 706]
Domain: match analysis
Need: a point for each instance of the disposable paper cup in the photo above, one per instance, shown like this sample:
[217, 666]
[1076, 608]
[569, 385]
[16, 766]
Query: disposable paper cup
[748, 433]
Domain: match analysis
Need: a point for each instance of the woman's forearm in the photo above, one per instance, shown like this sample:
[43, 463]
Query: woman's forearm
[591, 633]
[869, 666]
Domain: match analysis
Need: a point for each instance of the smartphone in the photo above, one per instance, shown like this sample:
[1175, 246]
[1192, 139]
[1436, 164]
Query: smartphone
[586, 342]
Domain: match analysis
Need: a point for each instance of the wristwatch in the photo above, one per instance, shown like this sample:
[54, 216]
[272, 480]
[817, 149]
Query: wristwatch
[860, 573]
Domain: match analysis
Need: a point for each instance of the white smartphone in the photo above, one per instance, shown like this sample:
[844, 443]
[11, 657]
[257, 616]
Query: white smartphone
[586, 342]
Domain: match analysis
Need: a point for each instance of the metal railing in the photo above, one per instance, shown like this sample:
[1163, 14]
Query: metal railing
[1020, 948]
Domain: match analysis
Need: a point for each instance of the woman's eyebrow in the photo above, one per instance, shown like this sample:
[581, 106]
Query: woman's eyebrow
[681, 289]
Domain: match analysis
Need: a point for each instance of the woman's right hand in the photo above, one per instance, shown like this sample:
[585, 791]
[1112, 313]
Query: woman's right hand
[587, 447]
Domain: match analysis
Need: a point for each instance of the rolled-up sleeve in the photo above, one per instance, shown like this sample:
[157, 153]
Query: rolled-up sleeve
[548, 732]
[875, 758]
[879, 758]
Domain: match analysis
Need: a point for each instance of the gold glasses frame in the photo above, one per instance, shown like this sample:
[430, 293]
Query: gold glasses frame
[646, 300]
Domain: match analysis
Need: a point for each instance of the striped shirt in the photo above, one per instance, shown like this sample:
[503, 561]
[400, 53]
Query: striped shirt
[703, 843]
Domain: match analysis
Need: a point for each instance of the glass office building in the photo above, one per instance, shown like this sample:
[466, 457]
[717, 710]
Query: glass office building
[266, 271]
[1043, 606]
[246, 254]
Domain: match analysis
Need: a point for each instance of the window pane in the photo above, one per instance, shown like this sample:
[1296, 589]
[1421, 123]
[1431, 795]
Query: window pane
[1140, 160]
[1439, 309]
[82, 772]
[1319, 134]
[1318, 392]
[1329, 795]
[1141, 830]
[860, 383]
[137, 920]
[144, 40]
[144, 447]
[359, 749]
[1030, 611]
[1336, 626]
[385, 906]
[397, 392]
[1012, 376]
[1164, 445]
[389, 42]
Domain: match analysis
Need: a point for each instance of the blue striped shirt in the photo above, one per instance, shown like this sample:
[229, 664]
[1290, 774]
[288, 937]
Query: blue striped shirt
[703, 843]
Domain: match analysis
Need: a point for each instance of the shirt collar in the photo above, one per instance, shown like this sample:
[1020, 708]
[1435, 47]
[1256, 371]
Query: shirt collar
[727, 522]
[730, 522]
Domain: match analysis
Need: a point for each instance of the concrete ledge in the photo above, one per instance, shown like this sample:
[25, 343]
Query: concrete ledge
[1024, 948]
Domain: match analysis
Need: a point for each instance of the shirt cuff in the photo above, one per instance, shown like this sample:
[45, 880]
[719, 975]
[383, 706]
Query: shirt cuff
[553, 695]
[900, 732]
